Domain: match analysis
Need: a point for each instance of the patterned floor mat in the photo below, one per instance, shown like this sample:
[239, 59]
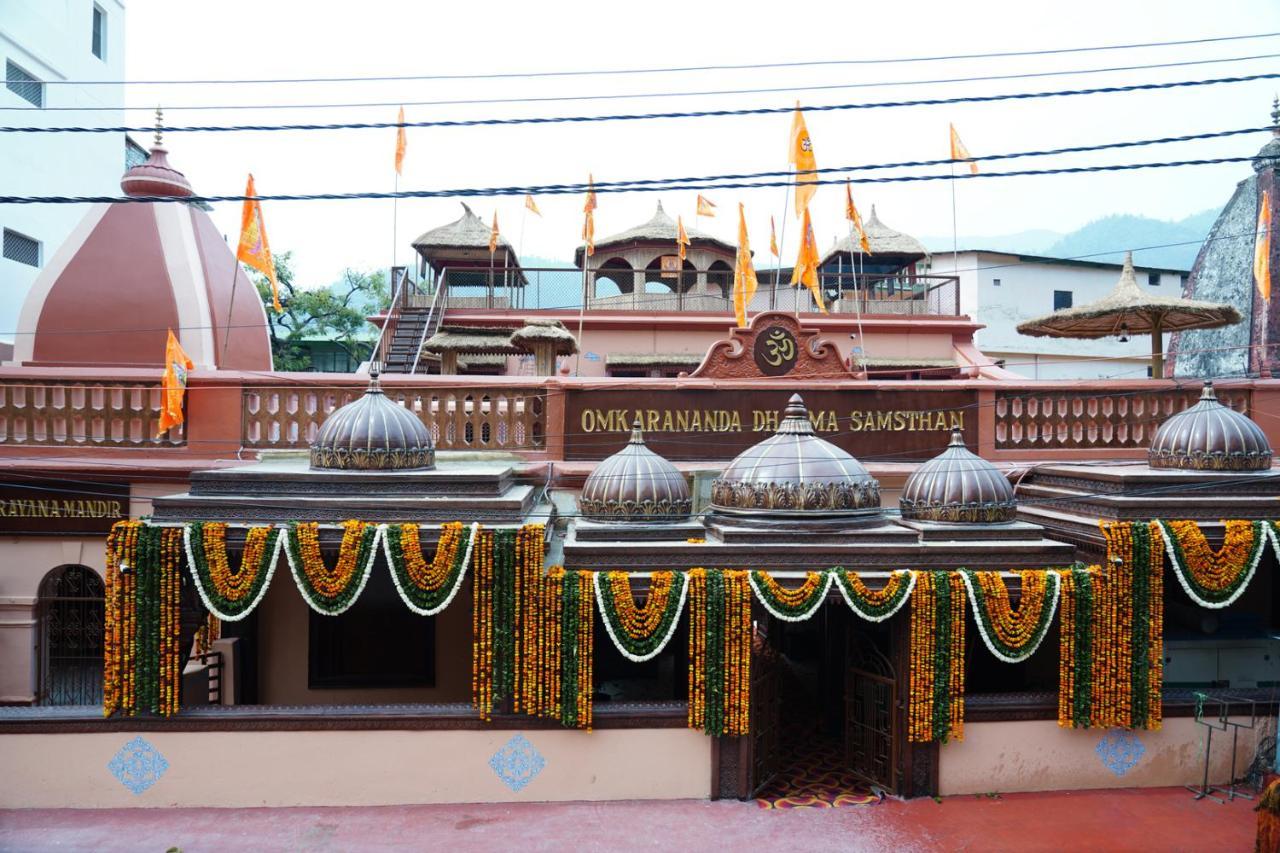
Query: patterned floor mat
[816, 779]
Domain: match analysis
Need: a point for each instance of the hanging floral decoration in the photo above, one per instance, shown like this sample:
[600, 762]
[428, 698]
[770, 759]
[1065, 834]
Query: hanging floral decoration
[482, 612]
[331, 591]
[1013, 635]
[719, 652]
[1075, 649]
[1215, 579]
[640, 632]
[935, 707]
[791, 605]
[142, 661]
[231, 594]
[206, 634]
[568, 681]
[875, 605]
[425, 587]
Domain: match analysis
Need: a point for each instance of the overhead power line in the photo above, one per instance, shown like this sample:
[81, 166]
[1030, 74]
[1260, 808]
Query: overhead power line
[569, 189]
[616, 96]
[583, 119]
[607, 72]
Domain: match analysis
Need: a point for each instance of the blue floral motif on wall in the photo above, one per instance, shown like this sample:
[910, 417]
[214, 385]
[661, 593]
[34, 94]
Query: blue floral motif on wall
[1120, 751]
[517, 763]
[138, 765]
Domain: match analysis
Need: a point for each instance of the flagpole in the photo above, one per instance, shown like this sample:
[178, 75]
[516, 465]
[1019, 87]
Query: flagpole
[857, 300]
[226, 338]
[582, 313]
[782, 248]
[395, 217]
[955, 241]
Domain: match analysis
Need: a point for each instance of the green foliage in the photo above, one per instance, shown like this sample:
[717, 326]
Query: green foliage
[335, 313]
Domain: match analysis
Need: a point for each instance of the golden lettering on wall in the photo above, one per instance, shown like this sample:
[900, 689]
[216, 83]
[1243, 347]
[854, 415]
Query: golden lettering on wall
[40, 508]
[766, 420]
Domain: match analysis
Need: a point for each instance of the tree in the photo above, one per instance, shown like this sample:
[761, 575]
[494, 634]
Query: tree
[336, 313]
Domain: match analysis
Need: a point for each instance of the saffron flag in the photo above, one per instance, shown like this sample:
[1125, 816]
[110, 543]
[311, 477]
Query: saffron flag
[706, 207]
[173, 385]
[254, 250]
[851, 213]
[773, 239]
[800, 155]
[959, 152]
[531, 205]
[806, 269]
[744, 274]
[682, 239]
[1262, 248]
[493, 234]
[589, 224]
[401, 142]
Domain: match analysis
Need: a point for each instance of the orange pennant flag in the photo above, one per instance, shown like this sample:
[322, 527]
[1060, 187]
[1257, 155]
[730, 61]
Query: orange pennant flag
[254, 250]
[401, 143]
[531, 205]
[851, 213]
[706, 207]
[800, 155]
[744, 273]
[807, 261]
[493, 234]
[773, 239]
[959, 152]
[1262, 248]
[589, 224]
[682, 239]
[173, 385]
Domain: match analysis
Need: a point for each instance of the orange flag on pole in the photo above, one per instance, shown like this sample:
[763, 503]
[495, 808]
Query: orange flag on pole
[531, 205]
[1262, 248]
[682, 239]
[773, 239]
[807, 261]
[959, 152]
[706, 207]
[173, 385]
[493, 234]
[851, 213]
[800, 155]
[254, 250]
[401, 142]
[744, 273]
[589, 224]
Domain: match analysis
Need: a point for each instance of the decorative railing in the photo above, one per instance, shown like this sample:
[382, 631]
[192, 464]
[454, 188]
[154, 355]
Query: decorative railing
[50, 413]
[467, 418]
[1120, 419]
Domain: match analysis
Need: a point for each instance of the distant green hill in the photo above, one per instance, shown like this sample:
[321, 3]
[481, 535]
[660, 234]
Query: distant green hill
[1179, 241]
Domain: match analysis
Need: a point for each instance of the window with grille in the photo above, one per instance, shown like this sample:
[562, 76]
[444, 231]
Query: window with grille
[1153, 279]
[99, 32]
[24, 85]
[20, 248]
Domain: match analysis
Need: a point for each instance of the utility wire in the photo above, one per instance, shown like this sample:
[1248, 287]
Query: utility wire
[562, 189]
[582, 119]
[604, 72]
[627, 96]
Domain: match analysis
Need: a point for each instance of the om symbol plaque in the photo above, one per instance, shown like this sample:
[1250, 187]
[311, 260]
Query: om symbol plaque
[775, 351]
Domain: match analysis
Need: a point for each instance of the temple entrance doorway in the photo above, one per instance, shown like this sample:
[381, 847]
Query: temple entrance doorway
[70, 611]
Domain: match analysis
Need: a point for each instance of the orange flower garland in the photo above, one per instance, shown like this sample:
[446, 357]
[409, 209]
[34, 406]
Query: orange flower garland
[1012, 635]
[118, 633]
[230, 593]
[482, 626]
[1214, 579]
[427, 588]
[935, 706]
[719, 652]
[787, 604]
[640, 633]
[331, 591]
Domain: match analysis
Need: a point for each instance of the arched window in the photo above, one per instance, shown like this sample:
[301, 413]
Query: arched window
[614, 278]
[720, 277]
[70, 610]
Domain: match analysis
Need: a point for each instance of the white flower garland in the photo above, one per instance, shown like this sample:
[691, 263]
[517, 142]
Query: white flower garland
[827, 579]
[364, 574]
[462, 573]
[662, 644]
[195, 575]
[1055, 580]
[1180, 571]
[911, 587]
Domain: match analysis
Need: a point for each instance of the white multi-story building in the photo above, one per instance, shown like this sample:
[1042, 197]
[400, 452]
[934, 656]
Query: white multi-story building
[1001, 290]
[53, 51]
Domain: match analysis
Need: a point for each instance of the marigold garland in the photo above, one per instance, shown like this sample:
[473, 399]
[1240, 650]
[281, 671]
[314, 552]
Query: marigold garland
[719, 652]
[231, 594]
[428, 588]
[1214, 579]
[1075, 650]
[1013, 635]
[482, 613]
[791, 605]
[935, 706]
[640, 632]
[331, 591]
[875, 605]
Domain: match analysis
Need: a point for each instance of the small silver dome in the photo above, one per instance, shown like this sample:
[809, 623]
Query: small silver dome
[1210, 437]
[635, 484]
[958, 485]
[373, 434]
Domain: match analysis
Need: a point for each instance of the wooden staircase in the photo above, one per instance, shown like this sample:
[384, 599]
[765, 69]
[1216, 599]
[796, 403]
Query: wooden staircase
[413, 327]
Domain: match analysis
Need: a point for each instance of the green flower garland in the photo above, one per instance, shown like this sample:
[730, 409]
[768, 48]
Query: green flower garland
[874, 607]
[504, 614]
[332, 604]
[633, 648]
[804, 601]
[1205, 596]
[1080, 658]
[218, 604]
[982, 611]
[423, 600]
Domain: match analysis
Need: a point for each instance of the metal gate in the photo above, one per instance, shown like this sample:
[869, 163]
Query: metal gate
[70, 612]
[766, 714]
[870, 718]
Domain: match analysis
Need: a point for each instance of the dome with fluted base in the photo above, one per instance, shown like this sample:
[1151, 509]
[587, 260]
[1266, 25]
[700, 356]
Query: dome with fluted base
[373, 433]
[635, 484]
[1210, 437]
[958, 485]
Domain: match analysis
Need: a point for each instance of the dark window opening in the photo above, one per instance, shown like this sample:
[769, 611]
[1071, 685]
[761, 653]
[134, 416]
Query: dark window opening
[1061, 299]
[99, 45]
[1153, 279]
[21, 248]
[995, 282]
[24, 85]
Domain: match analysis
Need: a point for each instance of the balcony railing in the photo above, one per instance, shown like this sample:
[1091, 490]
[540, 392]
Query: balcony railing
[70, 413]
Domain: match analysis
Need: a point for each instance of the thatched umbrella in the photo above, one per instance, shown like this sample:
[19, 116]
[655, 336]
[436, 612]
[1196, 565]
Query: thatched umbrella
[450, 341]
[1128, 310]
[546, 339]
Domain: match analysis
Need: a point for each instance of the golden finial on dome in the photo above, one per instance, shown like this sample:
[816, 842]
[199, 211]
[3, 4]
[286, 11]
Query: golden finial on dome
[159, 127]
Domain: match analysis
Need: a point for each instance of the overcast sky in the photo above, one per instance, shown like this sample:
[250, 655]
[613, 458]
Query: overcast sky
[252, 39]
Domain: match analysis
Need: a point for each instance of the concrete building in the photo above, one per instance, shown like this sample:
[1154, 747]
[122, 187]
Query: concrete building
[1000, 290]
[63, 60]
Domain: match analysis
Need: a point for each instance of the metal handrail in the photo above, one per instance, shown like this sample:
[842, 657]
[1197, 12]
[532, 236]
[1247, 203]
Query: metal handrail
[394, 311]
[438, 302]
